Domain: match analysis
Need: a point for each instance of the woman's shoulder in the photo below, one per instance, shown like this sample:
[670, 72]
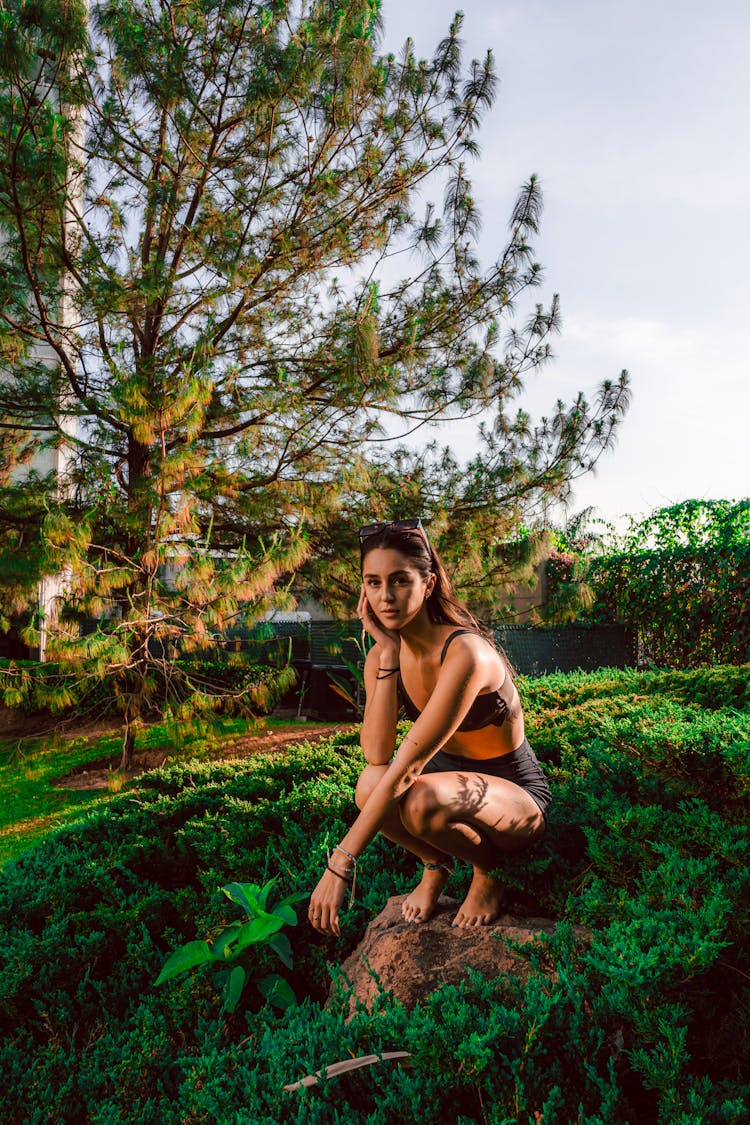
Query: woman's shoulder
[472, 653]
[463, 641]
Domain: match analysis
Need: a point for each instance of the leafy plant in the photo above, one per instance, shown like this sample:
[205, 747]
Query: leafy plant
[681, 577]
[356, 671]
[234, 949]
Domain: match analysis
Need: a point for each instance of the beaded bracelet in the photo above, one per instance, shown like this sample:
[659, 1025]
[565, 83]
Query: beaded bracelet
[348, 871]
[338, 848]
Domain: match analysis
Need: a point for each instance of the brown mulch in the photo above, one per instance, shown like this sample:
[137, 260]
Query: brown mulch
[96, 775]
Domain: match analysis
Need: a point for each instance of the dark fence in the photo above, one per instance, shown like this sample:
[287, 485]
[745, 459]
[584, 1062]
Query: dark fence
[535, 651]
[320, 651]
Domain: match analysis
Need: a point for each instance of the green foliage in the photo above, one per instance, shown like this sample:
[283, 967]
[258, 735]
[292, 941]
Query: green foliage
[179, 689]
[682, 578]
[568, 594]
[353, 691]
[645, 1020]
[32, 800]
[229, 955]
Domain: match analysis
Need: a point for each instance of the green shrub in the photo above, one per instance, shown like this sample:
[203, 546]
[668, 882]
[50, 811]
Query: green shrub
[647, 1022]
[681, 577]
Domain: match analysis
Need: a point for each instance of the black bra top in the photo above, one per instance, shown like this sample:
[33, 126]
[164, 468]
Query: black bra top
[490, 709]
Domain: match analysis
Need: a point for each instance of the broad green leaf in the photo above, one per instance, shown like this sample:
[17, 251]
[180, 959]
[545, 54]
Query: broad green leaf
[281, 946]
[233, 988]
[244, 895]
[257, 931]
[265, 891]
[249, 896]
[284, 911]
[295, 896]
[182, 960]
[277, 991]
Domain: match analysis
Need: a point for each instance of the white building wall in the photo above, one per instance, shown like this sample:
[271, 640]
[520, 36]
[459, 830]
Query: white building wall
[57, 457]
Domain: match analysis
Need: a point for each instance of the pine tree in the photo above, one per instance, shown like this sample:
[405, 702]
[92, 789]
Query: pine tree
[204, 206]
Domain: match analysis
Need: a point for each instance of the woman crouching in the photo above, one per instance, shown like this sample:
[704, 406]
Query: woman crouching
[464, 782]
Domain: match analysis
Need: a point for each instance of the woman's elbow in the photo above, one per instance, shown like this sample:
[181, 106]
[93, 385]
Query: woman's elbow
[377, 754]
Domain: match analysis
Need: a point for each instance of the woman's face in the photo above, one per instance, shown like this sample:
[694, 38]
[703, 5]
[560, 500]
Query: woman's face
[394, 587]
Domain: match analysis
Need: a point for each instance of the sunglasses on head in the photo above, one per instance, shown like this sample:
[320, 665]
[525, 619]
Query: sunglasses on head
[394, 525]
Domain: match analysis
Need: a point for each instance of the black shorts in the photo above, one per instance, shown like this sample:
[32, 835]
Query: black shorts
[520, 766]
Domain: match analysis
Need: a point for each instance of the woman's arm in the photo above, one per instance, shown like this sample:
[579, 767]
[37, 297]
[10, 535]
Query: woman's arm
[461, 678]
[378, 734]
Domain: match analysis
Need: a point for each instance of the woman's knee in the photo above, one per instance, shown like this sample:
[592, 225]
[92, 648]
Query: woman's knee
[420, 809]
[366, 782]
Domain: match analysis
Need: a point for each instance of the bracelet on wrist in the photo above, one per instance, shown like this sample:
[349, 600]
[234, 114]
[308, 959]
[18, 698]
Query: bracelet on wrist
[346, 878]
[353, 858]
[346, 871]
[351, 874]
[386, 673]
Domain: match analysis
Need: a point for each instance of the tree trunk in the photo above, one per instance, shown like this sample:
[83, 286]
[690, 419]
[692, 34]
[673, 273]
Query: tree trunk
[128, 738]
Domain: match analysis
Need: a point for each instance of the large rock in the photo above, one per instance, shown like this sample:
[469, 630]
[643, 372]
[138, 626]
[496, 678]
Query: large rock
[413, 959]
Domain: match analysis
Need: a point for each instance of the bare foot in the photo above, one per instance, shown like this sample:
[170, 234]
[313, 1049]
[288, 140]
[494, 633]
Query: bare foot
[419, 905]
[482, 904]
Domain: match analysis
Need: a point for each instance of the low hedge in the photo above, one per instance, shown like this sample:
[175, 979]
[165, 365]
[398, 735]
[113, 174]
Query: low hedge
[649, 1023]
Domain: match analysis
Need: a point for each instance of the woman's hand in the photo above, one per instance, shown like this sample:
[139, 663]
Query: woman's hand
[325, 903]
[388, 639]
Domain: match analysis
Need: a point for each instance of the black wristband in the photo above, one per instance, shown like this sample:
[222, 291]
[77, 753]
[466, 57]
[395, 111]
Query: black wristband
[346, 878]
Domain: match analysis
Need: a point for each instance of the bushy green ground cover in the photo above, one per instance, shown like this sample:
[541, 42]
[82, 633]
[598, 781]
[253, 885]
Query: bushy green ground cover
[648, 1022]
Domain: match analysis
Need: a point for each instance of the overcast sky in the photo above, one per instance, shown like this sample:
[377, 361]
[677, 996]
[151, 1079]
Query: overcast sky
[634, 115]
